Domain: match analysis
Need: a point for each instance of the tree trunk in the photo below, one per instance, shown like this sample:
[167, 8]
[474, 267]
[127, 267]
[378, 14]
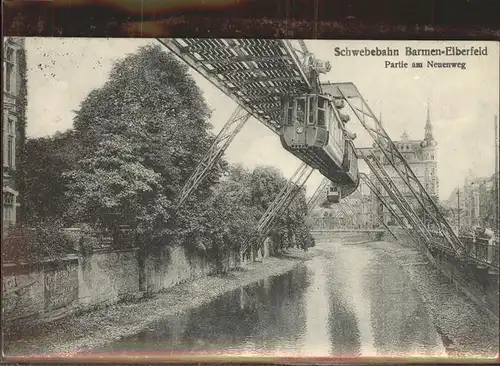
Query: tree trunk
[141, 261]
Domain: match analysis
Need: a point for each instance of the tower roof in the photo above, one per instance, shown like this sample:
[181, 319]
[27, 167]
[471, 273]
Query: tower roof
[428, 126]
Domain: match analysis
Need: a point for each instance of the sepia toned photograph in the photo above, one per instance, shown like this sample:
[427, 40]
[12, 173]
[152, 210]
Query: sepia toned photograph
[250, 199]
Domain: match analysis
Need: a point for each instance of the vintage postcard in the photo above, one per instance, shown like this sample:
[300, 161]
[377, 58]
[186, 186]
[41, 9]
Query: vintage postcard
[249, 199]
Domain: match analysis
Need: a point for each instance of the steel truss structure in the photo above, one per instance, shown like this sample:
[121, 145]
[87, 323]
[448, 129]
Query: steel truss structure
[317, 195]
[343, 207]
[284, 198]
[387, 205]
[367, 118]
[423, 236]
[256, 74]
[219, 146]
[348, 212]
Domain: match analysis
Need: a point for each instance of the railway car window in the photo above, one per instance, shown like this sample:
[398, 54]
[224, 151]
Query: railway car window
[301, 110]
[331, 118]
[322, 103]
[312, 109]
[338, 132]
[289, 113]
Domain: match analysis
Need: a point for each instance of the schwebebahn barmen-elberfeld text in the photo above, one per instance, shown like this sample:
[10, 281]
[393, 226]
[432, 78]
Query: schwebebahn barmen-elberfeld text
[410, 51]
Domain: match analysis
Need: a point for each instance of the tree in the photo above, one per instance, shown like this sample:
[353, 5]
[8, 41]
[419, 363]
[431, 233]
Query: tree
[265, 184]
[140, 137]
[43, 162]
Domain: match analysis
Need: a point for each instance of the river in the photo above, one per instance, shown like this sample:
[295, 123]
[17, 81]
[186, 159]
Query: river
[348, 301]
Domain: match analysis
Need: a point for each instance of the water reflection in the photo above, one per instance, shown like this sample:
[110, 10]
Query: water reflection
[399, 318]
[316, 341]
[348, 301]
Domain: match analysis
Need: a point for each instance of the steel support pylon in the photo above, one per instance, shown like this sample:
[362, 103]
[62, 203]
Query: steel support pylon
[387, 205]
[313, 201]
[398, 198]
[367, 118]
[281, 202]
[219, 146]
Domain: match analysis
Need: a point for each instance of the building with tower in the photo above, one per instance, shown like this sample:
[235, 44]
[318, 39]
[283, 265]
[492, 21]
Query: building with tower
[421, 155]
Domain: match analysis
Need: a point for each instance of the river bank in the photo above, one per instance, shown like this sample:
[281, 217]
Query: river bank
[466, 329]
[67, 337]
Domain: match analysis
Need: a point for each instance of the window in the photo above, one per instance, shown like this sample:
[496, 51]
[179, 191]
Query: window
[10, 148]
[338, 133]
[322, 112]
[289, 113]
[9, 70]
[8, 199]
[8, 207]
[11, 144]
[301, 110]
[311, 109]
[331, 118]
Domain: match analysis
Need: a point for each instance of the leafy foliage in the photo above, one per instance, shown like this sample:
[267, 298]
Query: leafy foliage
[135, 142]
[45, 240]
[43, 162]
[141, 135]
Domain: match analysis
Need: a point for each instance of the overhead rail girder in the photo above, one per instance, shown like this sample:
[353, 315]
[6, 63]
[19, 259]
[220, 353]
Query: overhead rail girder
[219, 146]
[367, 118]
[267, 60]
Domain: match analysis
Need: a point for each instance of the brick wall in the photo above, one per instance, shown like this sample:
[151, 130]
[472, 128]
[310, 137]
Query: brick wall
[106, 277]
[52, 290]
[173, 266]
[46, 290]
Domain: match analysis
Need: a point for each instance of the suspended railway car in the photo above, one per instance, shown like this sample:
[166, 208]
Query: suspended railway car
[314, 130]
[333, 194]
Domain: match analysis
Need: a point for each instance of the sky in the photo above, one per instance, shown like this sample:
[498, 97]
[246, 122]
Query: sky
[463, 103]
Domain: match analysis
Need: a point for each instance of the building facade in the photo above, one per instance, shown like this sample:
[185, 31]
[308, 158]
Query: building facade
[12, 80]
[475, 203]
[421, 156]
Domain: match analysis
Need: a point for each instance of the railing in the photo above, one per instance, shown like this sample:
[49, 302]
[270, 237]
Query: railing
[482, 250]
